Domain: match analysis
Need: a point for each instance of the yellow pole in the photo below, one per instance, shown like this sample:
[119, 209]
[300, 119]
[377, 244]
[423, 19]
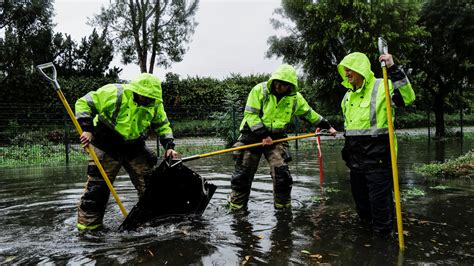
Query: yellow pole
[199, 156]
[79, 130]
[393, 155]
[92, 153]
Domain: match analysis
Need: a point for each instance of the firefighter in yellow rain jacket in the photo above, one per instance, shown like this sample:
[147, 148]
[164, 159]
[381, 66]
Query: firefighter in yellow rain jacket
[270, 107]
[116, 120]
[367, 148]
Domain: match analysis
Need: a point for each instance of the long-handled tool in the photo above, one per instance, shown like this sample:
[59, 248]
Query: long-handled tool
[383, 49]
[320, 158]
[199, 156]
[57, 88]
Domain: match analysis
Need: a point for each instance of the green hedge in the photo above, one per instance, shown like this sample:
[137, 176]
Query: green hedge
[461, 167]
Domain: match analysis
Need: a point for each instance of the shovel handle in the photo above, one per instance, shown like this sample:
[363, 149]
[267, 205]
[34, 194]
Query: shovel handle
[79, 130]
[258, 144]
[52, 79]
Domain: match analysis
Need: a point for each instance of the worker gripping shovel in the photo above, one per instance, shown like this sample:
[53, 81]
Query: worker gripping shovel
[57, 88]
[383, 49]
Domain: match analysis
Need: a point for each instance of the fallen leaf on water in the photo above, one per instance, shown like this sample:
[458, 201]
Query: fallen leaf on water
[151, 253]
[424, 222]
[261, 237]
[316, 256]
[9, 259]
[246, 260]
[367, 245]
[306, 252]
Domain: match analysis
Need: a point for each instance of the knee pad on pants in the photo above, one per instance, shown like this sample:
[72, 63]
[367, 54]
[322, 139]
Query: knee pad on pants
[95, 197]
[241, 179]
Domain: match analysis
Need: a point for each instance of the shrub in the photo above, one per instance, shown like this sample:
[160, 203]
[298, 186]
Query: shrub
[226, 123]
[461, 167]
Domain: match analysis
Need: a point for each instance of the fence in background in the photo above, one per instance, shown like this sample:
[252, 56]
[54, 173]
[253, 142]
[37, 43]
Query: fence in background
[39, 134]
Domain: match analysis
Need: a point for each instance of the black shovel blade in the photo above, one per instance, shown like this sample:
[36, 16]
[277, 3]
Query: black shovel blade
[172, 190]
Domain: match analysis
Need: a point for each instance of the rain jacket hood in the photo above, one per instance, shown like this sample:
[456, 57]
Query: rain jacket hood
[147, 85]
[357, 62]
[285, 73]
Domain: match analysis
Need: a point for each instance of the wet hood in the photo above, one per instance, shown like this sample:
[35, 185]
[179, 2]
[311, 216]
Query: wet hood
[357, 62]
[285, 73]
[147, 85]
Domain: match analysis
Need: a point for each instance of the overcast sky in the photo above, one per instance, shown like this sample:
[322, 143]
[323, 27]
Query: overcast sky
[231, 37]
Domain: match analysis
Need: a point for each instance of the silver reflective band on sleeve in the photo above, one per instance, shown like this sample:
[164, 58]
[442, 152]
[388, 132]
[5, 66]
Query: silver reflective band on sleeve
[295, 102]
[373, 106]
[90, 102]
[319, 120]
[162, 123]
[167, 136]
[118, 103]
[392, 103]
[252, 109]
[399, 83]
[306, 113]
[83, 115]
[257, 126]
[367, 132]
[264, 98]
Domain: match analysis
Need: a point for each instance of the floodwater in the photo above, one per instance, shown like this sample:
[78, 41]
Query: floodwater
[38, 212]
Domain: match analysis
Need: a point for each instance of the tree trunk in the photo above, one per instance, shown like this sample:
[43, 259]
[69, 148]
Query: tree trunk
[142, 63]
[438, 108]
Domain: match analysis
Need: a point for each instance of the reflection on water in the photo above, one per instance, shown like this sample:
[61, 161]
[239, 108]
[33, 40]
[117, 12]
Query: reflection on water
[38, 212]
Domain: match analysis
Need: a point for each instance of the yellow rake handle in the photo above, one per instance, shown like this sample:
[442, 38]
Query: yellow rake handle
[383, 49]
[199, 156]
[79, 130]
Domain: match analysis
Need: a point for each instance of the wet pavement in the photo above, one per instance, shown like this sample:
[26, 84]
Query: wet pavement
[38, 212]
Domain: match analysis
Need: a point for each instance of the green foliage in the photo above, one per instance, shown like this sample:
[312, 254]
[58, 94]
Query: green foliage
[191, 91]
[461, 167]
[207, 91]
[227, 122]
[440, 188]
[190, 149]
[192, 128]
[411, 193]
[154, 30]
[323, 32]
[318, 199]
[38, 154]
[29, 41]
[327, 189]
[26, 42]
[410, 120]
[91, 58]
[442, 62]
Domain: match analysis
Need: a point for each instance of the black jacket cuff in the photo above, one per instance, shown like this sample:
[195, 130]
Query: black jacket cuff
[262, 132]
[324, 124]
[86, 124]
[167, 143]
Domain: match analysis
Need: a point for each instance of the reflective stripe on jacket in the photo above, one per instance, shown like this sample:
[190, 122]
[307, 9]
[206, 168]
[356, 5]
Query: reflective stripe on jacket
[114, 106]
[364, 109]
[263, 110]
